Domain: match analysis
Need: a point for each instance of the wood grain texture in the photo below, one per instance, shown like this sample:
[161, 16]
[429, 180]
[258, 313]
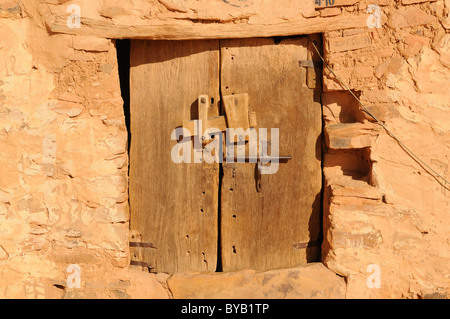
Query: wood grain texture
[236, 110]
[175, 30]
[217, 122]
[173, 206]
[263, 230]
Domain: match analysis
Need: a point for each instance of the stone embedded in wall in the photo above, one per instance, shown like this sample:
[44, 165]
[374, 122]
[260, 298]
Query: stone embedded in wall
[412, 44]
[379, 96]
[77, 256]
[5, 197]
[88, 43]
[117, 144]
[382, 111]
[428, 73]
[443, 48]
[146, 285]
[446, 23]
[409, 17]
[347, 187]
[106, 67]
[356, 239]
[415, 1]
[351, 42]
[10, 9]
[390, 66]
[3, 254]
[310, 281]
[330, 12]
[360, 76]
[70, 97]
[350, 136]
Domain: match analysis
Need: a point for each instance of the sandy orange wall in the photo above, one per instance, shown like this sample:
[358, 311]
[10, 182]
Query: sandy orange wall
[63, 145]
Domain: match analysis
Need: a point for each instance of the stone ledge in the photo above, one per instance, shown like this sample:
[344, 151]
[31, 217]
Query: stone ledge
[305, 282]
[350, 136]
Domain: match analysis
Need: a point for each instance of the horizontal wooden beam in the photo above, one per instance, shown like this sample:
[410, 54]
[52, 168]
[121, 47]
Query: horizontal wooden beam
[182, 31]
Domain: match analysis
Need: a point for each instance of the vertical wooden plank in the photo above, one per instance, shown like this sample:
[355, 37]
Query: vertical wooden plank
[271, 229]
[173, 206]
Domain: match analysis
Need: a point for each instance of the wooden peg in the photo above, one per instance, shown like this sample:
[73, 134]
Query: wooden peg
[236, 110]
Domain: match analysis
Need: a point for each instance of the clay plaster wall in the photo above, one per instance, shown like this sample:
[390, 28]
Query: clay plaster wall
[63, 148]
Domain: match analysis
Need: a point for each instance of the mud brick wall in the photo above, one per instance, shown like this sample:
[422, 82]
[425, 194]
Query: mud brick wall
[381, 205]
[64, 162]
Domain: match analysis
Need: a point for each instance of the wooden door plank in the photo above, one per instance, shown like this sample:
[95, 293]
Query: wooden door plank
[173, 206]
[269, 229]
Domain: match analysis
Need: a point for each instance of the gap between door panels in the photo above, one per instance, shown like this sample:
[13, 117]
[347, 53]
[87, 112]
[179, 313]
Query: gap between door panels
[219, 267]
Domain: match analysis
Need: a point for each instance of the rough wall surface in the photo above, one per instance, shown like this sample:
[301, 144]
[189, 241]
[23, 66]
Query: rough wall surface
[63, 179]
[63, 148]
[387, 210]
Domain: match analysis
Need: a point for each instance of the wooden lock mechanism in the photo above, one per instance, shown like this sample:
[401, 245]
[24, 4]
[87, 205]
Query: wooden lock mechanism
[237, 115]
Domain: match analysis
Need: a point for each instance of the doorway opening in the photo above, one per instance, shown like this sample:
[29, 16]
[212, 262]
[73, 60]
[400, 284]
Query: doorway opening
[210, 217]
[123, 61]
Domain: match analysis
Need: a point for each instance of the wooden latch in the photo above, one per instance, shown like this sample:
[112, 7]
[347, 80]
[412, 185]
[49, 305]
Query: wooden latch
[237, 115]
[218, 122]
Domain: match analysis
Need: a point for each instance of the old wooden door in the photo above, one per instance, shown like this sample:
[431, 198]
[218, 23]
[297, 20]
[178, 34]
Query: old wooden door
[175, 207]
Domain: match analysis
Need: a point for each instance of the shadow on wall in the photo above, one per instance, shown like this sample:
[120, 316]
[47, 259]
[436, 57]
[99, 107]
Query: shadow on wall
[123, 59]
[313, 250]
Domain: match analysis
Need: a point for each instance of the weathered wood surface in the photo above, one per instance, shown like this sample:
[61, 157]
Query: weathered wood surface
[236, 110]
[181, 30]
[173, 206]
[270, 229]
